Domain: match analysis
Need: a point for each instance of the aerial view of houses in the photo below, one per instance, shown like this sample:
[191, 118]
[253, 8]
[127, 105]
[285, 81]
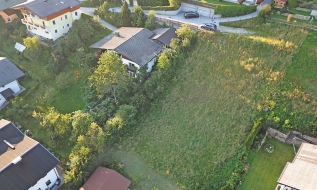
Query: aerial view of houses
[152, 95]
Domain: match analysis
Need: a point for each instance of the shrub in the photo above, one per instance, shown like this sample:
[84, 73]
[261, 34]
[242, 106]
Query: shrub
[234, 10]
[292, 3]
[264, 13]
[250, 138]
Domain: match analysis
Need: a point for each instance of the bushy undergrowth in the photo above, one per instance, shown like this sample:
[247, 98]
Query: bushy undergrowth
[233, 10]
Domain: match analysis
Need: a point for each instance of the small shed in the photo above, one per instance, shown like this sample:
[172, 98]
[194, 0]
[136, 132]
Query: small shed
[313, 13]
[106, 179]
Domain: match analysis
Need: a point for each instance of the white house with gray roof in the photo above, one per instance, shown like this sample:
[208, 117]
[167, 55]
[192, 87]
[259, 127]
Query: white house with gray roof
[138, 47]
[49, 19]
[9, 85]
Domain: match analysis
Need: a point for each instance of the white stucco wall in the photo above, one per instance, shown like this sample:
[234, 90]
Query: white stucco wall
[13, 85]
[126, 62]
[53, 31]
[51, 175]
[2, 100]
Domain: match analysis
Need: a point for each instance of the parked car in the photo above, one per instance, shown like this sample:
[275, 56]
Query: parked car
[209, 27]
[191, 14]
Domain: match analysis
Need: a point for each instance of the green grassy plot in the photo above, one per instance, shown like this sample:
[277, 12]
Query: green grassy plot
[265, 168]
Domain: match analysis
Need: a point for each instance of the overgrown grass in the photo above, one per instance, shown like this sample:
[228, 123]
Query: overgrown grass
[192, 136]
[265, 168]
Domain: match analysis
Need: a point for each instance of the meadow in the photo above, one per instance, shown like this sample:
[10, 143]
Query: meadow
[195, 134]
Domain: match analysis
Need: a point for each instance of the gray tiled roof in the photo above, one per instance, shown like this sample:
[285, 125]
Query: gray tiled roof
[36, 161]
[8, 71]
[4, 4]
[133, 43]
[46, 8]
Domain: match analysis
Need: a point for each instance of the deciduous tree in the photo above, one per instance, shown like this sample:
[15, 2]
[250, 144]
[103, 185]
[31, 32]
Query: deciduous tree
[109, 75]
[31, 42]
[138, 17]
[150, 21]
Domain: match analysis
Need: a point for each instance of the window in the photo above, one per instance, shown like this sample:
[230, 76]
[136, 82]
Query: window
[76, 13]
[9, 19]
[54, 22]
[43, 23]
[63, 27]
[34, 28]
[67, 25]
[61, 18]
[46, 32]
[55, 31]
[48, 182]
[66, 17]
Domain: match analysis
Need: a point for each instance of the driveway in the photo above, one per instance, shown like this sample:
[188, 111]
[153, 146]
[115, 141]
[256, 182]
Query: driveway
[90, 11]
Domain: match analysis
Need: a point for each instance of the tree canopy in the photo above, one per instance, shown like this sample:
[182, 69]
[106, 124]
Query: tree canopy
[150, 21]
[109, 75]
[125, 15]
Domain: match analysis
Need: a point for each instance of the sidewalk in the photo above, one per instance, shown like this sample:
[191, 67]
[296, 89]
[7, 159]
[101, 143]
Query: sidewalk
[90, 11]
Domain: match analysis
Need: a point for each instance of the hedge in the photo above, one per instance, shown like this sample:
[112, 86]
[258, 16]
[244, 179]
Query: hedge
[167, 8]
[250, 138]
[233, 10]
[153, 2]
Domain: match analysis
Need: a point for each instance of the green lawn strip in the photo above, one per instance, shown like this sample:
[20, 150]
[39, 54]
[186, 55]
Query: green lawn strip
[303, 70]
[265, 168]
[295, 11]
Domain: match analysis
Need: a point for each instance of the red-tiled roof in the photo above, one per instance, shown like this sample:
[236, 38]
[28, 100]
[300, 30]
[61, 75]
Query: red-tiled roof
[106, 179]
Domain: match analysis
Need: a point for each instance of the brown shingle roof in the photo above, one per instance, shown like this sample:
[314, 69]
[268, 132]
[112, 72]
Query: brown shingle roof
[106, 179]
[164, 35]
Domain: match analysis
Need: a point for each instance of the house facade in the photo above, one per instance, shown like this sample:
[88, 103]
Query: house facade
[280, 3]
[24, 162]
[49, 19]
[9, 85]
[138, 47]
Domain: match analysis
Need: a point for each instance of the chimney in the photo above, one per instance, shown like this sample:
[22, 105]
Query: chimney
[117, 34]
[10, 145]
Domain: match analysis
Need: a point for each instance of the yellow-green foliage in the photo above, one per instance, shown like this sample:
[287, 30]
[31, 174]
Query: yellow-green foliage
[250, 138]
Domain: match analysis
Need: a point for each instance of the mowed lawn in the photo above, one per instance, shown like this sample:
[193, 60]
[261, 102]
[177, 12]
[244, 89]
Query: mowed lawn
[265, 168]
[203, 121]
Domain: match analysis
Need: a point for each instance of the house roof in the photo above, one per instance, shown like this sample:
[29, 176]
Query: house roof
[10, 12]
[132, 43]
[36, 161]
[48, 7]
[281, 1]
[164, 35]
[106, 179]
[4, 4]
[8, 72]
[302, 172]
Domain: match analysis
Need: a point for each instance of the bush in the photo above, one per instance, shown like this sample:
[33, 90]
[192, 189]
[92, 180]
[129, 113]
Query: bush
[264, 13]
[250, 138]
[292, 3]
[234, 10]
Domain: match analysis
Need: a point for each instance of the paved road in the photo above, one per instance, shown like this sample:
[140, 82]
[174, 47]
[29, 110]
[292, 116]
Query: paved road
[90, 11]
